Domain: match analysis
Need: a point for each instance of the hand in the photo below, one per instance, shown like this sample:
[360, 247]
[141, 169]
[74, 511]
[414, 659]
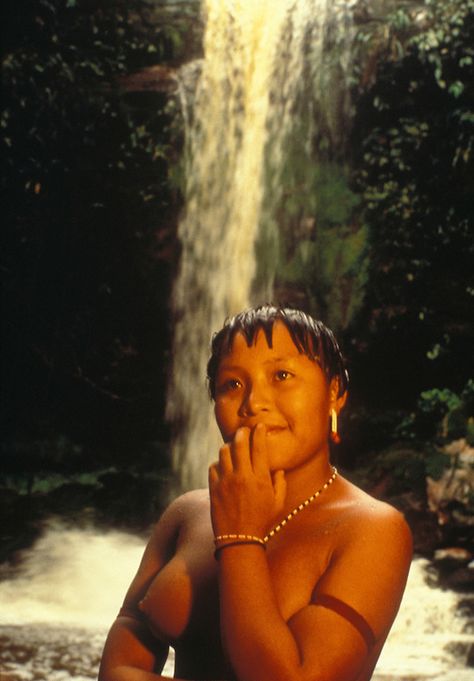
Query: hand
[245, 497]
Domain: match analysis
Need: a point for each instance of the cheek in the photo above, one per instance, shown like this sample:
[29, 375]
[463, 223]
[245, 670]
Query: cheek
[308, 412]
[224, 414]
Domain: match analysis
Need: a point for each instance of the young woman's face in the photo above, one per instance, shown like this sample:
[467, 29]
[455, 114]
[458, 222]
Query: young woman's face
[279, 387]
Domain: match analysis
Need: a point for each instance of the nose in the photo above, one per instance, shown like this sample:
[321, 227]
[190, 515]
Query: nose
[256, 399]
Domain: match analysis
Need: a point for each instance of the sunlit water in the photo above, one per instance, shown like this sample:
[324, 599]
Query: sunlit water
[264, 80]
[56, 608]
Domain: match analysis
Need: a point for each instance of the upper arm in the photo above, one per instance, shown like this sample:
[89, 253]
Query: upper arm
[129, 642]
[356, 600]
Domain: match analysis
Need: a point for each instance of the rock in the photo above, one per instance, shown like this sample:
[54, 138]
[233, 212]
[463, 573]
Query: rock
[425, 529]
[465, 609]
[453, 553]
[456, 447]
[456, 482]
[154, 78]
[453, 564]
[461, 579]
[470, 656]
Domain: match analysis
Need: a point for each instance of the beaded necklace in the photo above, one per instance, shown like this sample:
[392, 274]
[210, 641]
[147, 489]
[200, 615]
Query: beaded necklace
[300, 507]
[223, 541]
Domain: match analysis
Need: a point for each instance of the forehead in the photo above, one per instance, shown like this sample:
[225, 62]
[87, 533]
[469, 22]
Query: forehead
[282, 345]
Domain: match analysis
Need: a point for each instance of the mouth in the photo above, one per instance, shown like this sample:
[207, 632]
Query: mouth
[273, 430]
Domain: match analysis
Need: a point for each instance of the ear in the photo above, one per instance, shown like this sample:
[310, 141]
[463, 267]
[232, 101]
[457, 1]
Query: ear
[336, 401]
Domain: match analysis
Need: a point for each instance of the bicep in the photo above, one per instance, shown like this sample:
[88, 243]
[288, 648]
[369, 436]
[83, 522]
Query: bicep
[354, 603]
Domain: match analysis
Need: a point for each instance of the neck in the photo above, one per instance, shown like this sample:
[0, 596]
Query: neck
[306, 479]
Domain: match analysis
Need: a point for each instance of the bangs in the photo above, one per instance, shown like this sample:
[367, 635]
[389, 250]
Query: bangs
[310, 336]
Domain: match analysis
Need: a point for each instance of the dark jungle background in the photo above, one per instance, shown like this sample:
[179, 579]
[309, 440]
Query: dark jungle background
[92, 190]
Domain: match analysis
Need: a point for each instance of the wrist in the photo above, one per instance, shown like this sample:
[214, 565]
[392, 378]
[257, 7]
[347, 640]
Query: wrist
[223, 541]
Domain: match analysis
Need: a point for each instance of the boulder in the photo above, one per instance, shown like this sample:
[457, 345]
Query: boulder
[457, 481]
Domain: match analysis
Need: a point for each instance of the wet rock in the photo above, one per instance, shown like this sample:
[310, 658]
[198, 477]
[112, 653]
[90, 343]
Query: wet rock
[454, 554]
[155, 78]
[70, 497]
[461, 579]
[455, 567]
[470, 656]
[465, 610]
[426, 532]
[456, 484]
[460, 650]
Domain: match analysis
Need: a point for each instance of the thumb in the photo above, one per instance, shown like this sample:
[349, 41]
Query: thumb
[279, 488]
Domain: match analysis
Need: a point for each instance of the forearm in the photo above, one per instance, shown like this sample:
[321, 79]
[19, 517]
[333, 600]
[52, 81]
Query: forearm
[257, 639]
[131, 653]
[128, 673]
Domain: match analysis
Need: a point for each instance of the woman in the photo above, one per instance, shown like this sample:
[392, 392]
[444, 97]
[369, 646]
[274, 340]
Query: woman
[282, 570]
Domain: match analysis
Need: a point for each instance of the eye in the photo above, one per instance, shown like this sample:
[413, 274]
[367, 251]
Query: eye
[229, 385]
[282, 375]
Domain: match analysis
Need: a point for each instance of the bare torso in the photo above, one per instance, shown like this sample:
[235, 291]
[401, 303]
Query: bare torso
[318, 604]
[181, 602]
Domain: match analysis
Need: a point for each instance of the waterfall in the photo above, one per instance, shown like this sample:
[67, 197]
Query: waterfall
[265, 79]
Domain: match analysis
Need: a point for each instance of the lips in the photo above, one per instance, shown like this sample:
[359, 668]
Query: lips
[274, 429]
[270, 427]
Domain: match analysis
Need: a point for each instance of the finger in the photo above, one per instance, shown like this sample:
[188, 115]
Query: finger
[225, 461]
[213, 474]
[240, 451]
[279, 487]
[259, 450]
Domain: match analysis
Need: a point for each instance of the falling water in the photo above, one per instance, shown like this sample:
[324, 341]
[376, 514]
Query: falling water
[265, 71]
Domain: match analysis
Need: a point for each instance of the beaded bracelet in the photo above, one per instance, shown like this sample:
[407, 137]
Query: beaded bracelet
[235, 540]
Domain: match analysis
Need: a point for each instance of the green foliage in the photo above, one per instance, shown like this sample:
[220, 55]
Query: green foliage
[326, 248]
[406, 448]
[88, 222]
[415, 131]
[441, 415]
[406, 467]
[437, 403]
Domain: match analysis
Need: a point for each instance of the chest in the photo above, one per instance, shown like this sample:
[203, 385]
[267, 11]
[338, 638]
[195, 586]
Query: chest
[182, 601]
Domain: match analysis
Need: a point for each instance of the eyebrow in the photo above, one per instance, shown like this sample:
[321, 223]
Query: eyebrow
[228, 367]
[287, 358]
[238, 367]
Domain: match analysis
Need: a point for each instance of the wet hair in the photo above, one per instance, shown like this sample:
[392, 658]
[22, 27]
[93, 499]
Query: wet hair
[310, 336]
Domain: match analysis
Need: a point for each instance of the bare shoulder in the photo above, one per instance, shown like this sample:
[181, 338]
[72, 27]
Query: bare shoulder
[373, 527]
[187, 509]
[371, 557]
[163, 541]
[182, 508]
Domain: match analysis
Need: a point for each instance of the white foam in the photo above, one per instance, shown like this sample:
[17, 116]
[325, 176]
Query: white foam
[71, 583]
[72, 576]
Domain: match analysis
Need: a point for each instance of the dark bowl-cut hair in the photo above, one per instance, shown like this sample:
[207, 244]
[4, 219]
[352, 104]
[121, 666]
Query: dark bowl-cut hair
[311, 337]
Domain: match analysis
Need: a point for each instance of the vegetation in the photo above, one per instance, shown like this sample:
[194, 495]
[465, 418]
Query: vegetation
[379, 243]
[414, 134]
[88, 238]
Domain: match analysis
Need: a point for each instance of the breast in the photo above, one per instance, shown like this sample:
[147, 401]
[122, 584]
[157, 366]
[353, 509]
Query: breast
[295, 568]
[181, 603]
[182, 600]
